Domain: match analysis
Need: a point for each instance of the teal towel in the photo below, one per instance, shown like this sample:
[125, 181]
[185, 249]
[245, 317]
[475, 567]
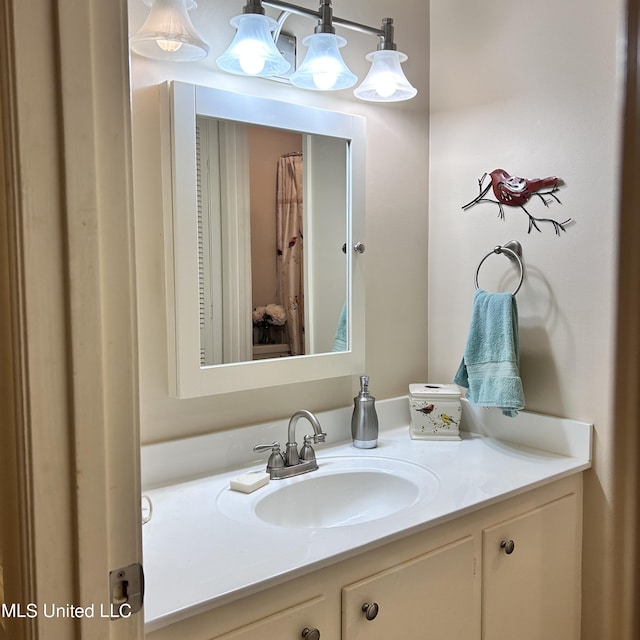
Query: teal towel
[340, 341]
[490, 365]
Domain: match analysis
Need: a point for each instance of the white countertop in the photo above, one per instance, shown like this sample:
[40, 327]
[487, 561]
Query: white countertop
[196, 558]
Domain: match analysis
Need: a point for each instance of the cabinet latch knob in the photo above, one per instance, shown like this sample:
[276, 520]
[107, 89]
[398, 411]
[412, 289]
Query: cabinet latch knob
[359, 247]
[370, 610]
[310, 634]
[508, 546]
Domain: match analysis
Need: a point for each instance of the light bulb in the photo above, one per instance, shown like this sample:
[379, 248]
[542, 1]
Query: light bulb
[250, 57]
[251, 65]
[325, 73]
[385, 84]
[169, 45]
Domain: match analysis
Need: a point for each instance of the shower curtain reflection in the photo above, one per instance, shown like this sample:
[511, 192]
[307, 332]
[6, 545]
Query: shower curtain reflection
[289, 238]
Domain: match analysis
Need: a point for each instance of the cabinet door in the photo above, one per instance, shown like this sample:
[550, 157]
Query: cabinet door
[531, 591]
[431, 596]
[288, 624]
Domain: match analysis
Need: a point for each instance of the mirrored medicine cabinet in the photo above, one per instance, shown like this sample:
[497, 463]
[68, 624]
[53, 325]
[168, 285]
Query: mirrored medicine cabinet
[233, 238]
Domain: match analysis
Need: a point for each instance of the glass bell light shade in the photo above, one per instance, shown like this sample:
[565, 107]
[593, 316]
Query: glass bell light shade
[385, 81]
[253, 51]
[168, 33]
[323, 68]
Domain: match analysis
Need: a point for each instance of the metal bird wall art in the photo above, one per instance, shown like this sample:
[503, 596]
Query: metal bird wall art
[513, 191]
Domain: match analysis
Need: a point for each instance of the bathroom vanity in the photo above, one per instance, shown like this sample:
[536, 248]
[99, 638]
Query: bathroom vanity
[488, 545]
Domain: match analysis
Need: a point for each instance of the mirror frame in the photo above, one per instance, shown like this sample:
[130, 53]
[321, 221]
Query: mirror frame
[180, 103]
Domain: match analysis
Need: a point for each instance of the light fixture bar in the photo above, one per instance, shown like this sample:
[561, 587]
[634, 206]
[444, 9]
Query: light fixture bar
[317, 15]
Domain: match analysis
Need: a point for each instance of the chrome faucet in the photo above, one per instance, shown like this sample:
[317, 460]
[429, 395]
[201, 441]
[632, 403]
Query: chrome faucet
[294, 462]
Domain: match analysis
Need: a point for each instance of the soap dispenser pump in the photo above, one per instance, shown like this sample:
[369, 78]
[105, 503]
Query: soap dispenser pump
[364, 421]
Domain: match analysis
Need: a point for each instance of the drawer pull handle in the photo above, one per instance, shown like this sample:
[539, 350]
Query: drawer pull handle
[508, 546]
[310, 634]
[370, 610]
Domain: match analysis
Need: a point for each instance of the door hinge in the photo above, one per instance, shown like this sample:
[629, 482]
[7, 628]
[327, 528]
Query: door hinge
[126, 586]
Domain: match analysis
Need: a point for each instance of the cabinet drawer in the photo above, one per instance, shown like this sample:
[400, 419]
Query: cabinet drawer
[287, 624]
[430, 596]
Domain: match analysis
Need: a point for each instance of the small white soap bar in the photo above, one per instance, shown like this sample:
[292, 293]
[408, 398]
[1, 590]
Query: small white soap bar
[250, 481]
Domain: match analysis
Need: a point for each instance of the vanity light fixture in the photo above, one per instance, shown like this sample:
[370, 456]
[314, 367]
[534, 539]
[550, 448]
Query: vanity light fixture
[168, 33]
[253, 51]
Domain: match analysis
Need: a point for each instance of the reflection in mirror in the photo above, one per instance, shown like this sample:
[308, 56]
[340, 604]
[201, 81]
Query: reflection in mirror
[293, 226]
[238, 299]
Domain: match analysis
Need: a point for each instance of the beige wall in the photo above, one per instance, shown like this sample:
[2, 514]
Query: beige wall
[534, 88]
[396, 221]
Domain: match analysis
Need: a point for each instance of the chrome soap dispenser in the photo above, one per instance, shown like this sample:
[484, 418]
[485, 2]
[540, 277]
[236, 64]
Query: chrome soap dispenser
[364, 421]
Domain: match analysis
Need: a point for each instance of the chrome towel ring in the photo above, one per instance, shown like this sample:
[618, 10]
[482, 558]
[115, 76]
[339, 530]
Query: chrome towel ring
[513, 251]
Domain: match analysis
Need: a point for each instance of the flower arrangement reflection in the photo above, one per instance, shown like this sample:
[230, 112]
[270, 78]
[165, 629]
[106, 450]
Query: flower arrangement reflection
[267, 316]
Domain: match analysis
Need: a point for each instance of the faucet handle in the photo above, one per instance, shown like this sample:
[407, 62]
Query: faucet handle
[276, 459]
[263, 447]
[307, 452]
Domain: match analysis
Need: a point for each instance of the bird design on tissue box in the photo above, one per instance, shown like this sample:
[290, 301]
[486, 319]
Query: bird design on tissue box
[514, 191]
[433, 422]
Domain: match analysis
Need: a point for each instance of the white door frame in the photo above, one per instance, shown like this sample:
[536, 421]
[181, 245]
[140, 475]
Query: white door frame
[70, 385]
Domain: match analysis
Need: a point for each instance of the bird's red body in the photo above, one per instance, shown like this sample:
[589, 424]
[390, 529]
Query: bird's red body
[514, 191]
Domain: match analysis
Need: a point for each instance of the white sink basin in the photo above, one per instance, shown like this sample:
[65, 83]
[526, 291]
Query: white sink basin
[344, 491]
